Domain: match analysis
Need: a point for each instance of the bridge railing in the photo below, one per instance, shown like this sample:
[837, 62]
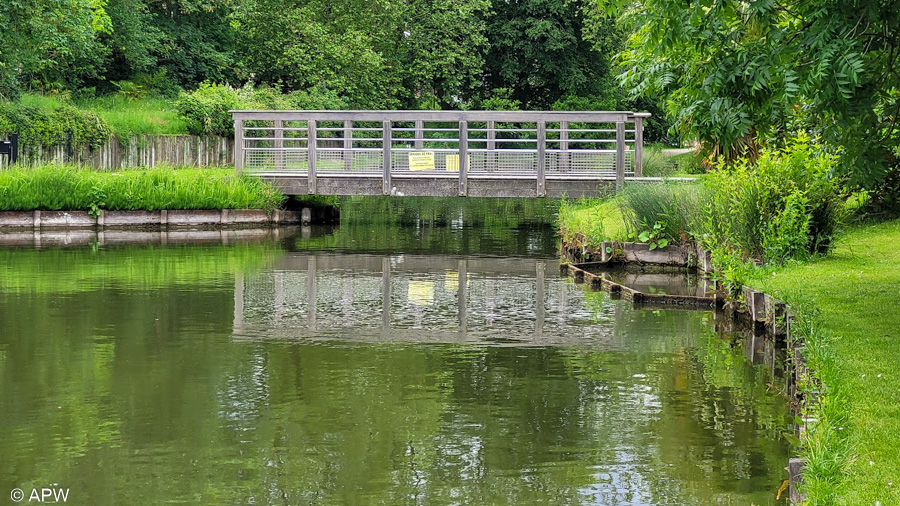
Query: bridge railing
[440, 144]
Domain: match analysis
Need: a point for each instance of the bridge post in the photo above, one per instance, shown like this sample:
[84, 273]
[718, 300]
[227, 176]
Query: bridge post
[279, 144]
[238, 146]
[491, 145]
[463, 158]
[386, 148]
[348, 144]
[564, 146]
[638, 145]
[620, 156]
[420, 134]
[311, 144]
[541, 158]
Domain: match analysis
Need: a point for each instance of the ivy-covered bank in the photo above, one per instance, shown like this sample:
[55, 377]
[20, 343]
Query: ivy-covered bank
[69, 188]
[784, 225]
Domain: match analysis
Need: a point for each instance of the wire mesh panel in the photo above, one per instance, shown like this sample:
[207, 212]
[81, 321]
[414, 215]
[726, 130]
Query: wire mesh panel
[586, 161]
[275, 145]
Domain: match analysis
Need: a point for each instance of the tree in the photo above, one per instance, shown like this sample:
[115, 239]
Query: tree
[46, 39]
[740, 73]
[341, 44]
[542, 50]
[442, 53]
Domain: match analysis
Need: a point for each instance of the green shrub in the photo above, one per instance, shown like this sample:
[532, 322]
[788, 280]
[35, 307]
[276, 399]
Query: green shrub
[50, 126]
[673, 205]
[206, 109]
[785, 206]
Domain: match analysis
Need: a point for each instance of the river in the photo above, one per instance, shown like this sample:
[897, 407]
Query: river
[414, 360]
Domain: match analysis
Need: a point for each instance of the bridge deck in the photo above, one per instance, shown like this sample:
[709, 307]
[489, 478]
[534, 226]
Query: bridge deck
[441, 153]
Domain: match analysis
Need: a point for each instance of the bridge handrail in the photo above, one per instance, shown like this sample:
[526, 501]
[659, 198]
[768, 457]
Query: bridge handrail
[474, 116]
[463, 119]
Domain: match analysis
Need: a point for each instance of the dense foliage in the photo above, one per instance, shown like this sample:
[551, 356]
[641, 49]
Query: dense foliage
[383, 54]
[784, 206]
[738, 75]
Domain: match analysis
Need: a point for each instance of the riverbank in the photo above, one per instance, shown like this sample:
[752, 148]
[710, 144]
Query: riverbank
[851, 296]
[846, 304]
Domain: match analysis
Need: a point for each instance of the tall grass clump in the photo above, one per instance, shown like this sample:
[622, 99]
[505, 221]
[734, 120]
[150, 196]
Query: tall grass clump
[68, 188]
[670, 208]
[585, 223]
[137, 116]
[787, 205]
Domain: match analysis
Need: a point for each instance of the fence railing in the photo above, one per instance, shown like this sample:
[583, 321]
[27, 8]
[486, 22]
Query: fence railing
[440, 144]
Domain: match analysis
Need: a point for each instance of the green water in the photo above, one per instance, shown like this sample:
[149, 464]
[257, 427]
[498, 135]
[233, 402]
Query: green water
[339, 369]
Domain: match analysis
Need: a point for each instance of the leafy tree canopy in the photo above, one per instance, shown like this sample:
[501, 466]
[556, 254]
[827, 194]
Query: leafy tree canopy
[740, 73]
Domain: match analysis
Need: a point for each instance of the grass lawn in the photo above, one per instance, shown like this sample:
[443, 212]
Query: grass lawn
[857, 290]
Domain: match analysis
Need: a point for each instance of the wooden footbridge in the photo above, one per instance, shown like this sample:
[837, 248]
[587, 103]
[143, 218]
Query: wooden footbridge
[441, 153]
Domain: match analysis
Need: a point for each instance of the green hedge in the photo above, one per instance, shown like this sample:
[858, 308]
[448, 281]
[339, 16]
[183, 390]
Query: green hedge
[51, 127]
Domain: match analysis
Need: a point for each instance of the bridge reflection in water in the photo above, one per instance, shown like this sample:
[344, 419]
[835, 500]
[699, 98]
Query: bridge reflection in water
[448, 299]
[415, 298]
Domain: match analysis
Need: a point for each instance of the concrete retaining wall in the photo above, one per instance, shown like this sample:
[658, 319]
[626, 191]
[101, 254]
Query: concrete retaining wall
[179, 218]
